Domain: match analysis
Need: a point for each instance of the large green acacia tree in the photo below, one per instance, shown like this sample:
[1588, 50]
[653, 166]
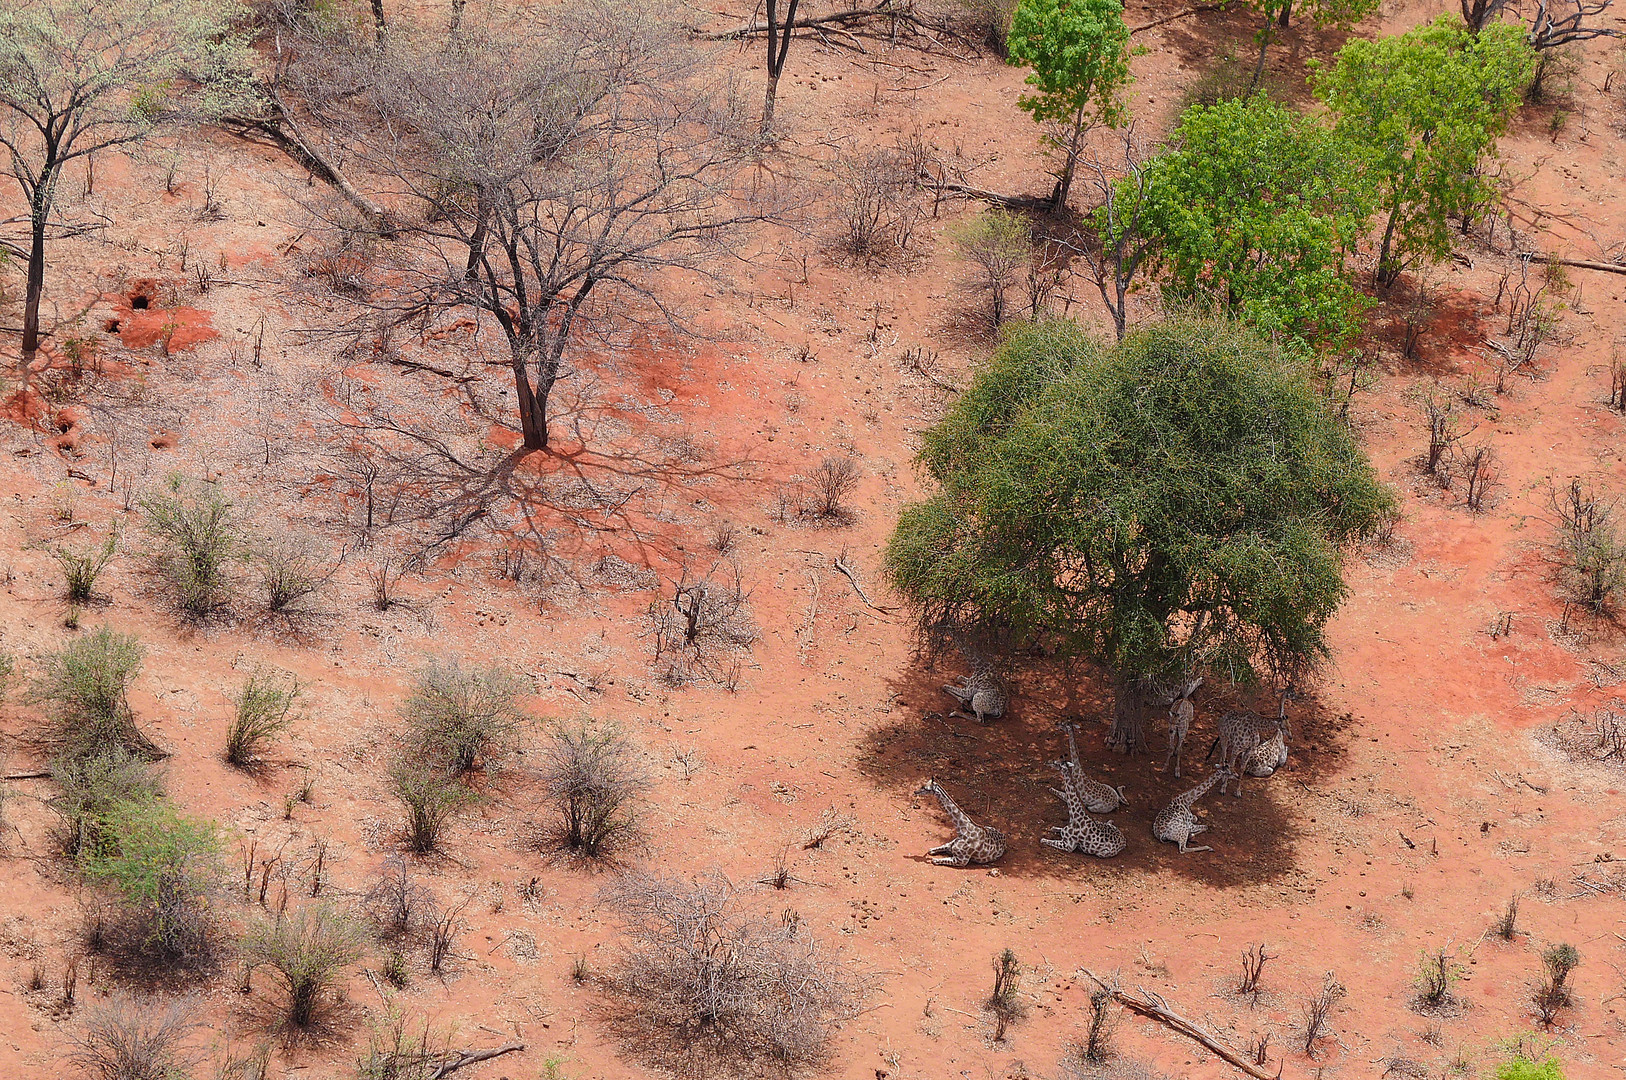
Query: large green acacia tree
[1421, 111]
[1251, 212]
[1180, 502]
[1078, 53]
[78, 76]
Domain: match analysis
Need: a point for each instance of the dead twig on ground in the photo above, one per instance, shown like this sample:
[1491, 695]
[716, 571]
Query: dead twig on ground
[1150, 1005]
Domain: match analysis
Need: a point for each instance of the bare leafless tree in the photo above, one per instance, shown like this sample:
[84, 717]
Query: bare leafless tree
[1119, 246]
[1556, 23]
[534, 165]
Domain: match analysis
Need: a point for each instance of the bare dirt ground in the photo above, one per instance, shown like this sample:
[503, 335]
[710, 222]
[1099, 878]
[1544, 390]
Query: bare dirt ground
[1423, 791]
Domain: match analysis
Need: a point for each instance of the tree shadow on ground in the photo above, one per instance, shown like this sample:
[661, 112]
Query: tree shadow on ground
[999, 774]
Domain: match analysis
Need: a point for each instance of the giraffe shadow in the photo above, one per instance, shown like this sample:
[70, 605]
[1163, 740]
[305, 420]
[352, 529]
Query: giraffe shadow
[999, 773]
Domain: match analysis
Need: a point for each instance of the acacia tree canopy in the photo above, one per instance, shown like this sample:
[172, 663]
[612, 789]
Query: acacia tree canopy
[1078, 55]
[1179, 502]
[1252, 212]
[1421, 111]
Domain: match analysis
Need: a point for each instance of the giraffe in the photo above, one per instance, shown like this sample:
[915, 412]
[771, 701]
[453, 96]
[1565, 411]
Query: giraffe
[972, 843]
[1181, 712]
[1271, 754]
[1082, 833]
[980, 691]
[1098, 797]
[1238, 739]
[1177, 824]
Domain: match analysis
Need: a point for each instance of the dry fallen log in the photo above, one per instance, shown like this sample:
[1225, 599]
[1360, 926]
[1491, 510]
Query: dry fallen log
[1198, 10]
[461, 1058]
[834, 20]
[1580, 264]
[1150, 1005]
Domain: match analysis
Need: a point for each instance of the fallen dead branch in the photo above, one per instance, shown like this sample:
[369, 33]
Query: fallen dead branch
[859, 589]
[1152, 1006]
[1184, 13]
[461, 1058]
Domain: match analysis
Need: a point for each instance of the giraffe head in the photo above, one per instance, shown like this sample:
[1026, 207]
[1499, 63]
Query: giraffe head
[928, 788]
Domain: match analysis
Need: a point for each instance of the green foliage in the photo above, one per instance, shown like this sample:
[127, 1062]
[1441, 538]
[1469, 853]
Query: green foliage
[1250, 214]
[1522, 1068]
[998, 243]
[264, 708]
[82, 568]
[1077, 53]
[90, 786]
[162, 866]
[83, 688]
[1421, 111]
[8, 673]
[306, 950]
[431, 798]
[1182, 499]
[464, 719]
[198, 537]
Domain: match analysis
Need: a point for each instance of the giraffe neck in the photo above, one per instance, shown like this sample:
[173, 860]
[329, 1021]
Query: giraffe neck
[1072, 747]
[1199, 791]
[954, 812]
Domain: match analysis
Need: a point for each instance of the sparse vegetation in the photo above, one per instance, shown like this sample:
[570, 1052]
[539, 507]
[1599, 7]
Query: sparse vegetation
[395, 903]
[1005, 1003]
[1253, 966]
[997, 244]
[80, 569]
[123, 1039]
[1506, 925]
[162, 866]
[84, 689]
[1318, 1011]
[306, 950]
[592, 780]
[719, 983]
[1589, 550]
[1437, 973]
[289, 573]
[264, 708]
[464, 718]
[703, 627]
[198, 540]
[1552, 993]
[431, 797]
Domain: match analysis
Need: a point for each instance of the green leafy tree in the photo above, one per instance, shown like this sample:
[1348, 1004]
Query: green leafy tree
[1078, 51]
[1251, 212]
[1422, 111]
[1179, 502]
[162, 865]
[78, 76]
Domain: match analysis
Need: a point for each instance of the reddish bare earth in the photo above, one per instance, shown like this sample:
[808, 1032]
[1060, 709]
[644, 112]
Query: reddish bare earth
[1424, 789]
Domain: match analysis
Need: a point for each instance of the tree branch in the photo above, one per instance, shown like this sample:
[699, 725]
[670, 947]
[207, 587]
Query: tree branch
[1198, 10]
[471, 1057]
[1153, 1007]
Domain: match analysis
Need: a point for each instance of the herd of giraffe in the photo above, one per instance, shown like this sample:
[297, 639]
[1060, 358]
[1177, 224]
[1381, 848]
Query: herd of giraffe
[1248, 745]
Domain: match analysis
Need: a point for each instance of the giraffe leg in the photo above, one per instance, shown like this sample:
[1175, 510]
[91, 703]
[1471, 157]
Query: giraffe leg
[1184, 850]
[1059, 845]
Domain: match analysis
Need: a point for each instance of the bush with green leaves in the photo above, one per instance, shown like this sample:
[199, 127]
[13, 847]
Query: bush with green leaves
[1589, 548]
[80, 569]
[1421, 111]
[84, 689]
[306, 950]
[89, 786]
[1250, 214]
[263, 709]
[1077, 54]
[1182, 499]
[199, 538]
[431, 796]
[464, 718]
[162, 866]
[1524, 1068]
[592, 780]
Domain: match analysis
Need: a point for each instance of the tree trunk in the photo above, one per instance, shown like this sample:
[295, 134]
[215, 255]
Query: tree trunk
[1386, 275]
[1131, 697]
[778, 47]
[767, 106]
[1065, 184]
[1259, 65]
[1287, 13]
[39, 211]
[533, 411]
[457, 14]
[378, 21]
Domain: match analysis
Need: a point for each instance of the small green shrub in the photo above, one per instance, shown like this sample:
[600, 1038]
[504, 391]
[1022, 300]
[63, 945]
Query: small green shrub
[288, 573]
[1437, 973]
[162, 866]
[464, 719]
[431, 797]
[90, 786]
[84, 690]
[1522, 1068]
[82, 568]
[1560, 960]
[997, 243]
[306, 950]
[264, 708]
[199, 539]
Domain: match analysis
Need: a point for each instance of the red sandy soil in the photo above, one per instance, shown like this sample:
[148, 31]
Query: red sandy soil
[1422, 792]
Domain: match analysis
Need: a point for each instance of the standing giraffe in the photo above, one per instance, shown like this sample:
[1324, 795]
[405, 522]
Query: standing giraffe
[972, 843]
[1238, 739]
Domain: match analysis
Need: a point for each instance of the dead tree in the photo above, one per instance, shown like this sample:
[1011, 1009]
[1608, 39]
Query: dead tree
[539, 167]
[1575, 20]
[779, 35]
[1120, 245]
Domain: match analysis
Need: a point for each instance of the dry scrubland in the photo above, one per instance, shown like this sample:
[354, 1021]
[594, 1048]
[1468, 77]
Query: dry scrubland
[346, 737]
